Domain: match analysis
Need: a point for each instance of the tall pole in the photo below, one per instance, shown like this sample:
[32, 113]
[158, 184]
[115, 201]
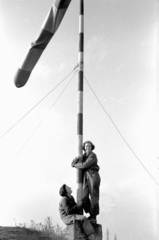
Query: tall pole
[80, 96]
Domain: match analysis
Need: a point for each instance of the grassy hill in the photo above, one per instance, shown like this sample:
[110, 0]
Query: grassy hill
[18, 233]
[21, 233]
[38, 231]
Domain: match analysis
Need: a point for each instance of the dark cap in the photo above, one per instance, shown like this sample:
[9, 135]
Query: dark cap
[62, 190]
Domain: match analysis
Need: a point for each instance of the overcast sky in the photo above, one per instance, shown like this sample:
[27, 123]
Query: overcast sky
[120, 66]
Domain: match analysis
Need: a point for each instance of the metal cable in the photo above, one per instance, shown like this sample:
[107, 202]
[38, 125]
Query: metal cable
[40, 122]
[35, 105]
[121, 134]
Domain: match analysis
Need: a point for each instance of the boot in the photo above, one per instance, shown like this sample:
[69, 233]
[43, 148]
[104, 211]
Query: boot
[92, 218]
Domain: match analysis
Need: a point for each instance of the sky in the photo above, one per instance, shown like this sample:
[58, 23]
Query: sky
[120, 42]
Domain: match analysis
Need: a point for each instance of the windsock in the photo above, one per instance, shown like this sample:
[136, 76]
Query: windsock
[48, 29]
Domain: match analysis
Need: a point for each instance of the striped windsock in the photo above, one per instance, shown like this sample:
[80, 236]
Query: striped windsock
[48, 29]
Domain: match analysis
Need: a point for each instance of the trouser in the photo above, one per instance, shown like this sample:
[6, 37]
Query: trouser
[91, 184]
[85, 223]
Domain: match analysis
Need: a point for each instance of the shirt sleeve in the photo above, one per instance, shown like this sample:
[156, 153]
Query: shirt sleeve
[69, 209]
[88, 163]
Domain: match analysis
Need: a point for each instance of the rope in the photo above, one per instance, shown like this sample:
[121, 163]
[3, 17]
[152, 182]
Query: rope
[41, 122]
[35, 106]
[121, 134]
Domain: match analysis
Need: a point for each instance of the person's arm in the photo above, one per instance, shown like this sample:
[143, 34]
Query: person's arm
[76, 160]
[88, 163]
[69, 209]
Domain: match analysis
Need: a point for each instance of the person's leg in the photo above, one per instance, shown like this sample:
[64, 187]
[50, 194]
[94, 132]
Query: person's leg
[87, 227]
[79, 217]
[85, 194]
[93, 185]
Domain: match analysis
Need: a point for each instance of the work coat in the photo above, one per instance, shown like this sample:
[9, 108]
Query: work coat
[67, 209]
[91, 182]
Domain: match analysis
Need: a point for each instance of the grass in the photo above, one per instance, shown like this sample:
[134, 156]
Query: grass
[47, 229]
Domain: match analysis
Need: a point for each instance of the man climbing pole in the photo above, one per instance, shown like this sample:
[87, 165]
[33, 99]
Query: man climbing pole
[91, 180]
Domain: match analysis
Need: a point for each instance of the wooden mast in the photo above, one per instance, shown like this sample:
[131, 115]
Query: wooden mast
[80, 96]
